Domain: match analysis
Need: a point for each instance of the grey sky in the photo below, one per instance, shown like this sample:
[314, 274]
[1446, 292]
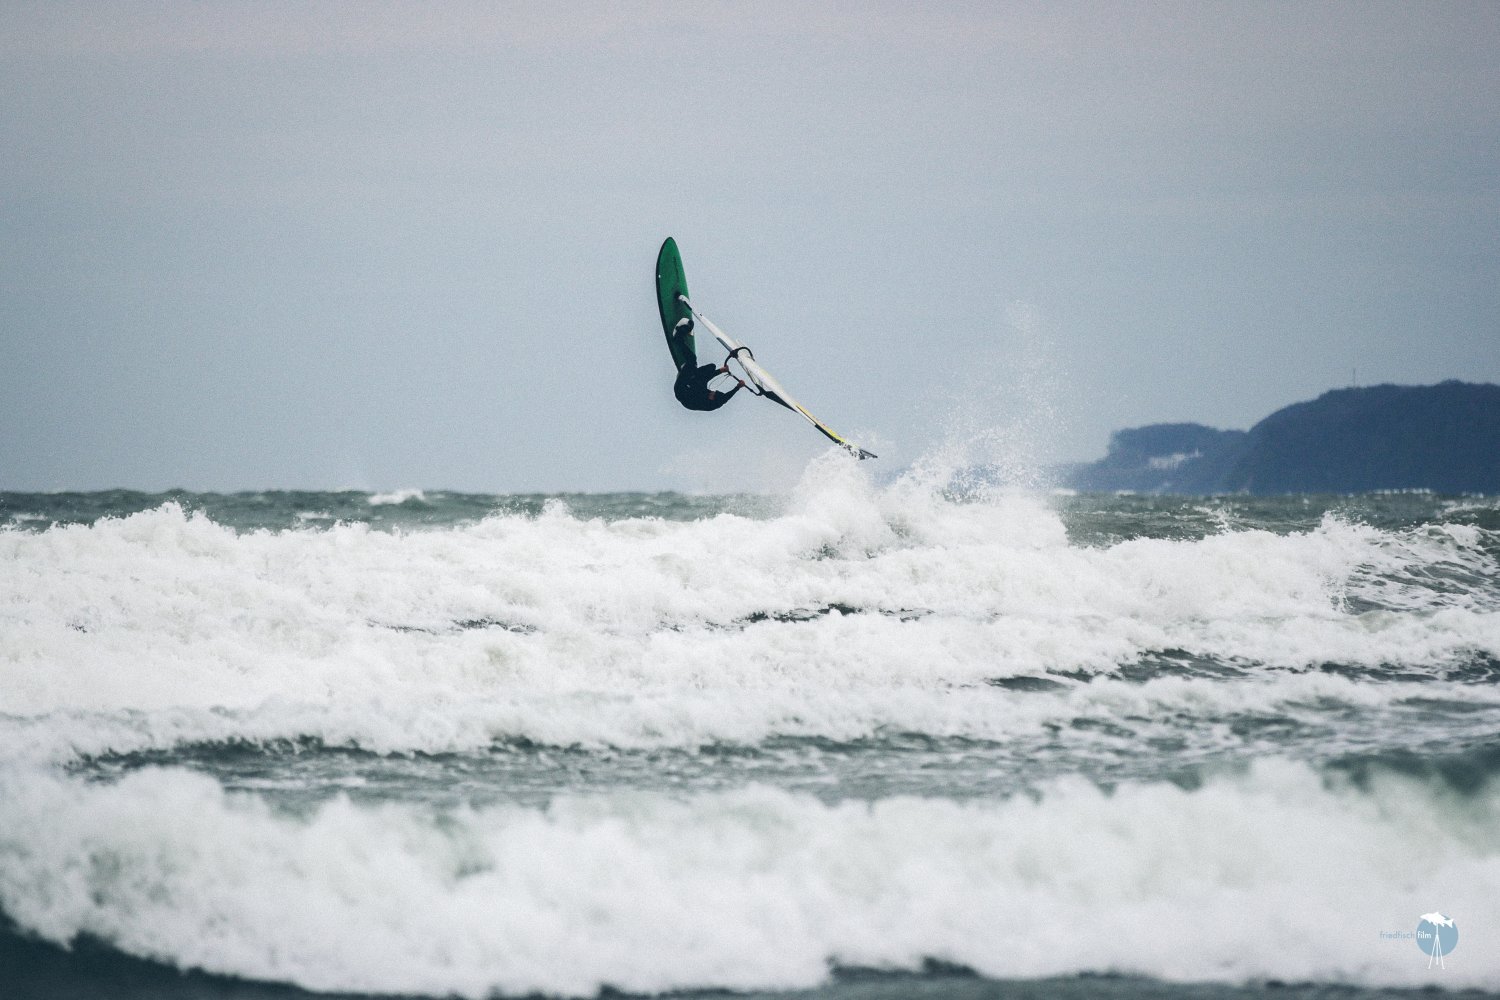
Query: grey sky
[288, 245]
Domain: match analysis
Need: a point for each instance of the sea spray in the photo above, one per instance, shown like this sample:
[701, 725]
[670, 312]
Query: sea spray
[1002, 413]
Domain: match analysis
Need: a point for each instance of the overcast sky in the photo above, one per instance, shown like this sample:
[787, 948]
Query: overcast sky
[369, 245]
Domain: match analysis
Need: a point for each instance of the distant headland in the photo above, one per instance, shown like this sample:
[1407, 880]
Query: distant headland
[1444, 438]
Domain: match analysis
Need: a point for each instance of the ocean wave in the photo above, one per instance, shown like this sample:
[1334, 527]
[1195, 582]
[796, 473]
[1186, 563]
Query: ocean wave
[1276, 871]
[397, 497]
[636, 712]
[853, 610]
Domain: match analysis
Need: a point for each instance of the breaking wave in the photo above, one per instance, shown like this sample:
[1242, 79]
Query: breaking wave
[854, 610]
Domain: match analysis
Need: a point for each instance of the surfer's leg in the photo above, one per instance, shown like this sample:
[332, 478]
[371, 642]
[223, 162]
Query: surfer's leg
[684, 350]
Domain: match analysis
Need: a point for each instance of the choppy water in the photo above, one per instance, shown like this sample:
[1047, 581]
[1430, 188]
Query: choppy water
[443, 744]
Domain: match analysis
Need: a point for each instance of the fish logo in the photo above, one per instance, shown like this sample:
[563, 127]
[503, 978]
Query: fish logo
[1437, 935]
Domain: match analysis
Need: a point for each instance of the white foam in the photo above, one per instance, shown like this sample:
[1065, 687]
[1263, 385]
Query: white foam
[395, 497]
[1276, 873]
[163, 626]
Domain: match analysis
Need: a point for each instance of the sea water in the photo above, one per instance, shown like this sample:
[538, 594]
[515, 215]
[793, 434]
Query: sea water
[864, 739]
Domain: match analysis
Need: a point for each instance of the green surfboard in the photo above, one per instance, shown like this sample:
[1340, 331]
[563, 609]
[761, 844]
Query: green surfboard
[671, 283]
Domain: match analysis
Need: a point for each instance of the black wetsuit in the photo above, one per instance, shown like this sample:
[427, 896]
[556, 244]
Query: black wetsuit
[692, 391]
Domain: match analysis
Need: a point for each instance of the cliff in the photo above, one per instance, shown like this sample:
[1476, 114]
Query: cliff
[1444, 438]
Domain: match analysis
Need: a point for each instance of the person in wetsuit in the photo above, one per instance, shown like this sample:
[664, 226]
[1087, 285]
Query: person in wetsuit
[692, 391]
[691, 387]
